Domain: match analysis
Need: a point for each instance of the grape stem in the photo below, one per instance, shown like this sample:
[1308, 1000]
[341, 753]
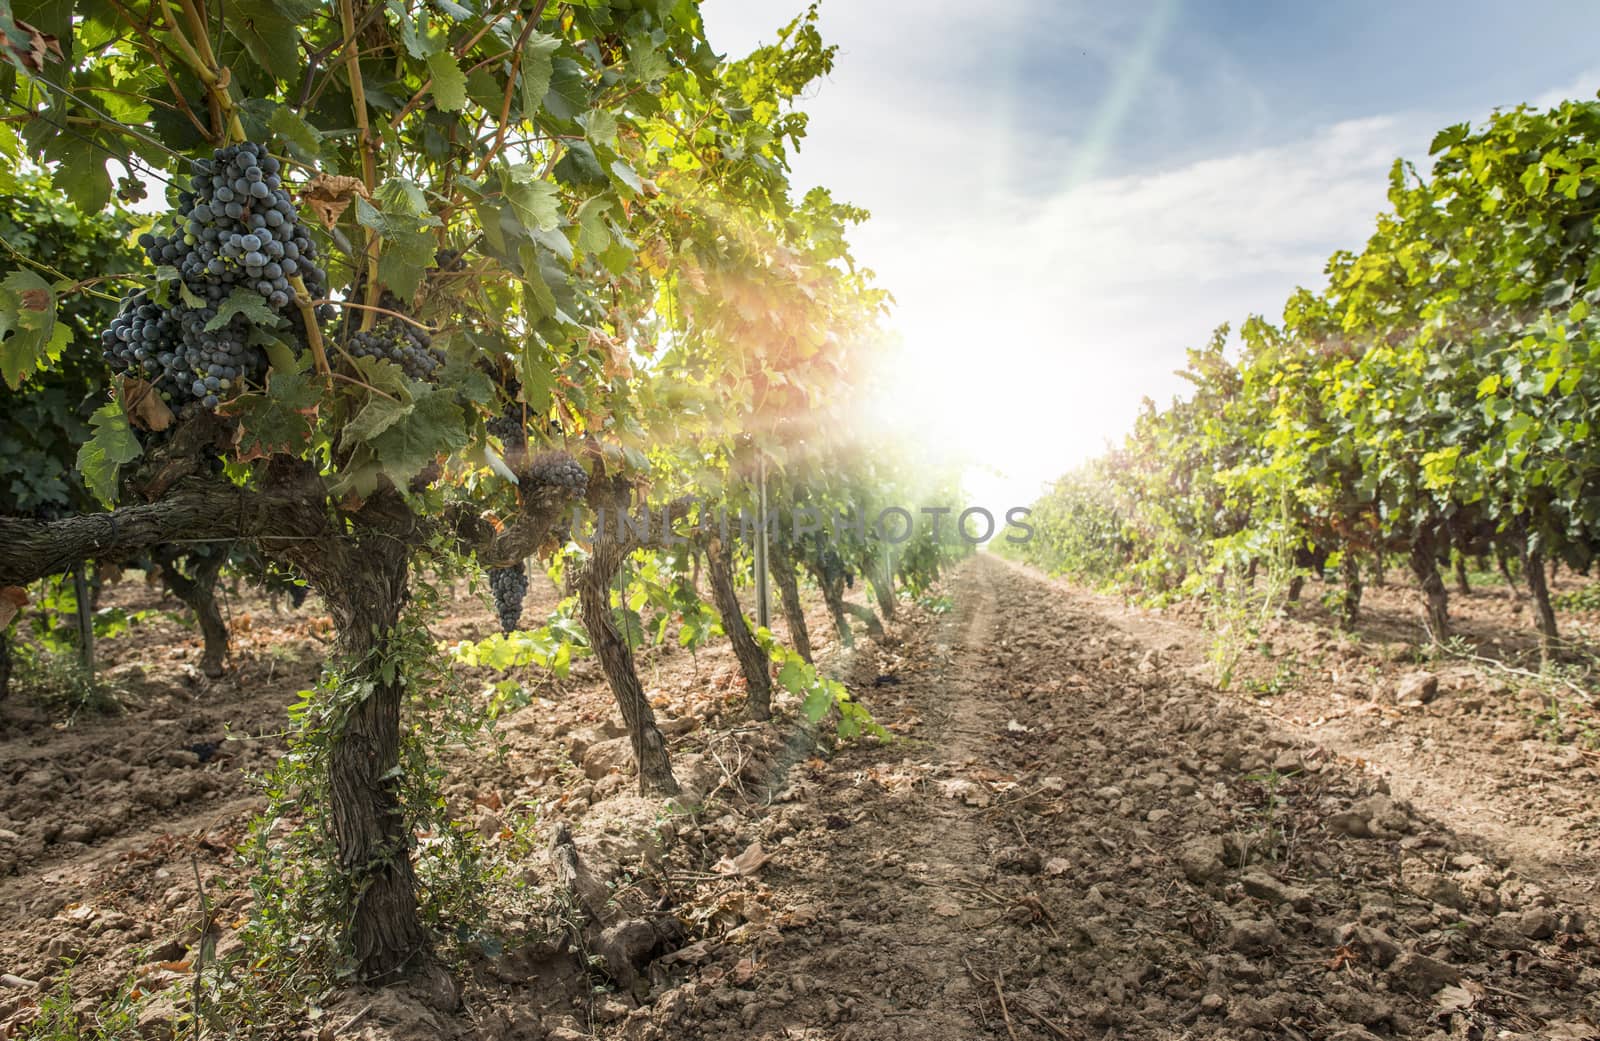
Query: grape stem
[382, 310]
[308, 313]
[369, 169]
[534, 17]
[204, 62]
[368, 386]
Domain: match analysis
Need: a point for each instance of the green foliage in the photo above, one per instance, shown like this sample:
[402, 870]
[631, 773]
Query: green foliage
[46, 412]
[59, 681]
[1584, 599]
[53, 618]
[111, 446]
[59, 1019]
[1437, 394]
[551, 646]
[818, 694]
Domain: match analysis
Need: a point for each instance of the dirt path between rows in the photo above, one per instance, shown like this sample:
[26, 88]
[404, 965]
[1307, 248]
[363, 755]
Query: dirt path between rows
[1079, 841]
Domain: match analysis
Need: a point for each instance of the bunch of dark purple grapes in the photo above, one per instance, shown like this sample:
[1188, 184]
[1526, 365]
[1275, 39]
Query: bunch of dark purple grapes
[392, 339]
[236, 229]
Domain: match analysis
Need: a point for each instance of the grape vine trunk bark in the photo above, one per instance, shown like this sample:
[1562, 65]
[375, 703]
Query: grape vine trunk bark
[593, 583]
[198, 591]
[1350, 597]
[880, 576]
[1545, 615]
[363, 582]
[1424, 561]
[752, 659]
[794, 614]
[1502, 560]
[359, 561]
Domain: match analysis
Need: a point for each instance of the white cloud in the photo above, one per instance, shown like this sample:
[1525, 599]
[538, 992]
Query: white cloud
[1036, 314]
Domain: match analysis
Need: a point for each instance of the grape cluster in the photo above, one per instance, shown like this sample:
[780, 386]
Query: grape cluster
[510, 585]
[391, 339]
[235, 228]
[450, 261]
[555, 470]
[508, 427]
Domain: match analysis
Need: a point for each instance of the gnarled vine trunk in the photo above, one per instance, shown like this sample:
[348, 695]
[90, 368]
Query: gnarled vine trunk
[753, 661]
[1350, 595]
[363, 581]
[198, 592]
[1502, 560]
[1544, 613]
[5, 663]
[880, 576]
[1424, 561]
[833, 597]
[593, 581]
[794, 613]
[1462, 585]
[832, 587]
[359, 562]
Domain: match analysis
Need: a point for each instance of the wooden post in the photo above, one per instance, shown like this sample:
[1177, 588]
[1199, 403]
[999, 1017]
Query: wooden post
[80, 588]
[763, 591]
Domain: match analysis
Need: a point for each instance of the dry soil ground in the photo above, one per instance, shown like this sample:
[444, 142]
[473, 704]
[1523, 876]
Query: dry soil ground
[1072, 835]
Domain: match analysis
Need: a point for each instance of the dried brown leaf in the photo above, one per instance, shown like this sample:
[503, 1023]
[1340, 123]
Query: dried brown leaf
[12, 600]
[746, 863]
[329, 195]
[143, 404]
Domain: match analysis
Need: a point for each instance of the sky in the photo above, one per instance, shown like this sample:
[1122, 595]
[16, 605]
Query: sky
[1068, 195]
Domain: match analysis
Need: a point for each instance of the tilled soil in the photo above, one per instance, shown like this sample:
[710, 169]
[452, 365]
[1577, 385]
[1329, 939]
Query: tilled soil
[1079, 841]
[1071, 836]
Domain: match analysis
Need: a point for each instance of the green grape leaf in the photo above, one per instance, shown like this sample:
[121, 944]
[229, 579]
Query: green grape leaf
[109, 448]
[817, 703]
[593, 237]
[434, 425]
[82, 174]
[568, 96]
[449, 83]
[269, 32]
[533, 200]
[538, 66]
[580, 166]
[29, 335]
[626, 175]
[647, 63]
[303, 139]
[378, 415]
[278, 421]
[600, 127]
[247, 302]
[417, 44]
[408, 244]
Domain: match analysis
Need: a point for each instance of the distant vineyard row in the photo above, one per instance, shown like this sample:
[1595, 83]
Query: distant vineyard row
[1433, 402]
